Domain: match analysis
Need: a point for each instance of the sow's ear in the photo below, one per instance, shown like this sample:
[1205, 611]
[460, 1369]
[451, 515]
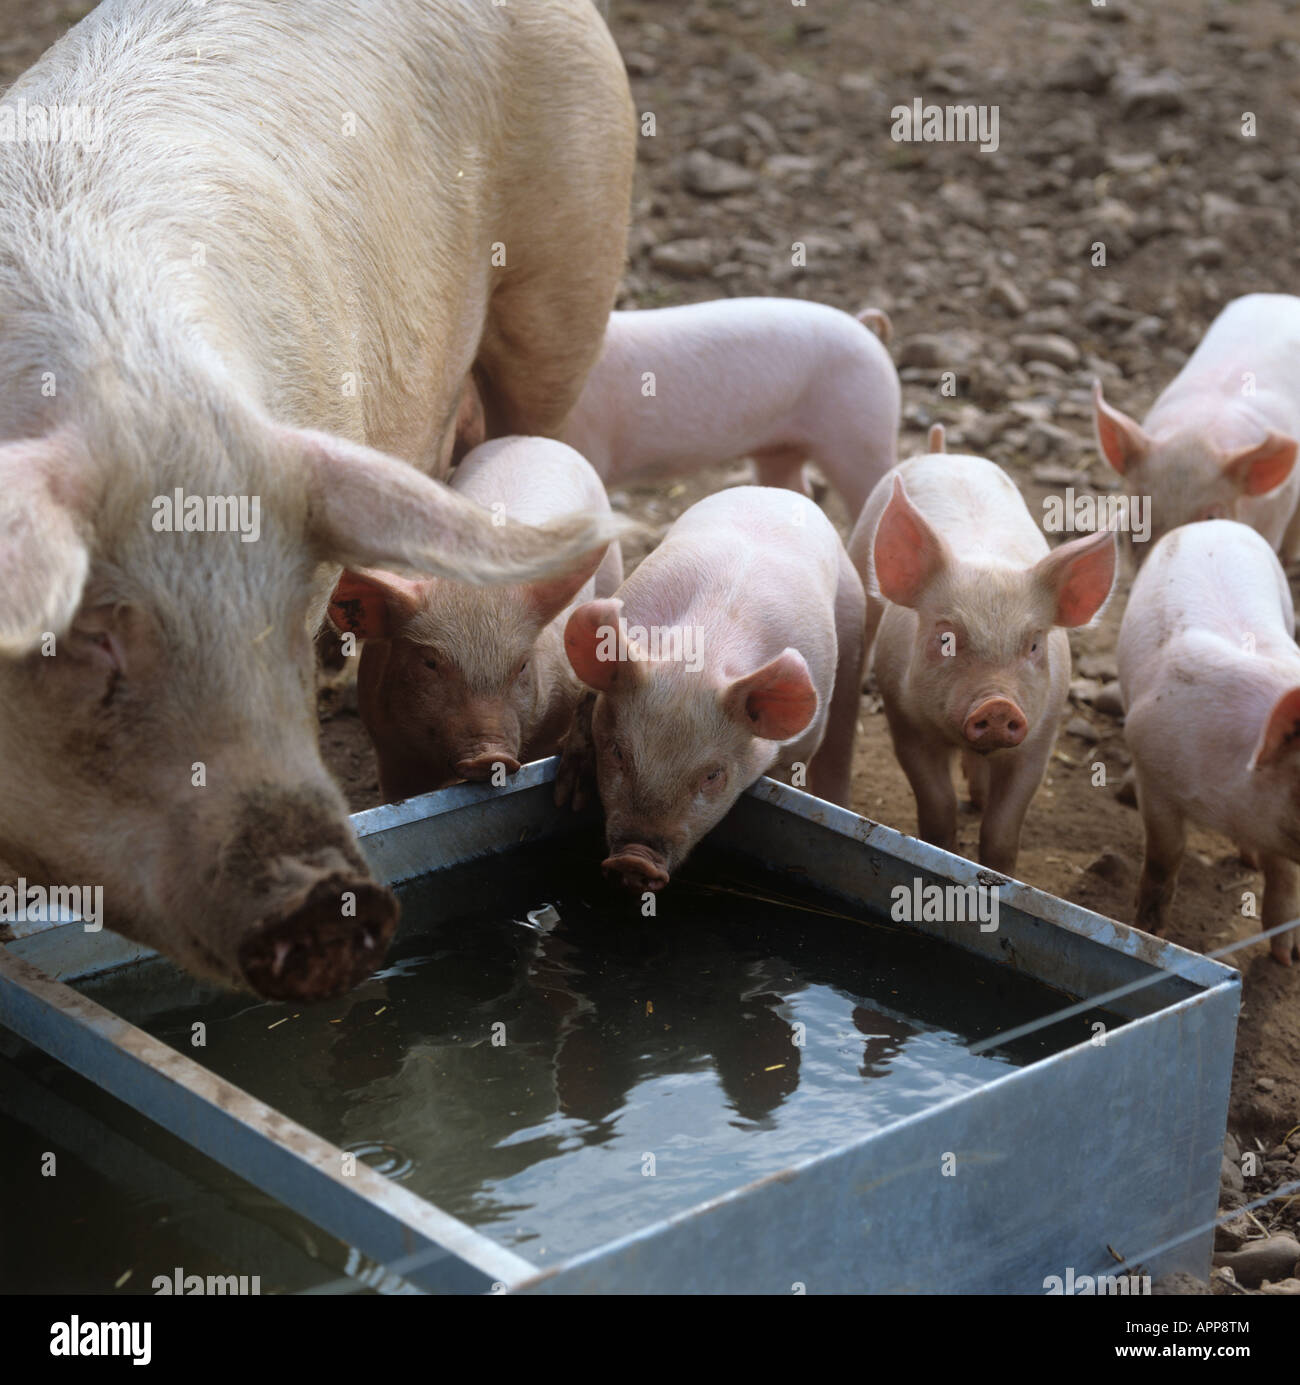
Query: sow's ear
[776, 702]
[375, 605]
[44, 559]
[368, 510]
[1281, 733]
[1078, 577]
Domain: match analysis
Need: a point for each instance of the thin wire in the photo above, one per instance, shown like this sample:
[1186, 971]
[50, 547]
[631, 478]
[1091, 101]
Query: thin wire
[1094, 1002]
[1217, 1222]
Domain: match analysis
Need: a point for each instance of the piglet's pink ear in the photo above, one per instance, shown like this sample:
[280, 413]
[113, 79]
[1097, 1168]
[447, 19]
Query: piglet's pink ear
[908, 555]
[1121, 440]
[1262, 468]
[591, 640]
[375, 605]
[547, 598]
[776, 702]
[1079, 576]
[1281, 733]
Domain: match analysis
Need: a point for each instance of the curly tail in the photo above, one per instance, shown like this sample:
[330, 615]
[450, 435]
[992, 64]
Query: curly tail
[878, 321]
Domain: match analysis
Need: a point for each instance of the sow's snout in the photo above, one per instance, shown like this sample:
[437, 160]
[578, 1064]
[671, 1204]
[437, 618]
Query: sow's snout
[309, 922]
[323, 942]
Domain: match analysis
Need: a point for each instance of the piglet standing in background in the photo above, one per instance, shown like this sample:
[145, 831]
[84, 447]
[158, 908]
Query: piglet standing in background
[734, 649]
[456, 681]
[966, 616]
[1210, 675]
[780, 380]
[1220, 441]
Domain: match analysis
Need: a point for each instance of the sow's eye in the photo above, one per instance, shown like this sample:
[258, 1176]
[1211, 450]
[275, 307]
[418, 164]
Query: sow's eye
[712, 780]
[97, 652]
[100, 648]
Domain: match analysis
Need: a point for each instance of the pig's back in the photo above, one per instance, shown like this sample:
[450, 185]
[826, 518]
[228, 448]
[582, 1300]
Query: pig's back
[1256, 323]
[756, 568]
[1258, 334]
[1218, 577]
[533, 479]
[1205, 649]
[725, 373]
[764, 325]
[326, 249]
[1208, 627]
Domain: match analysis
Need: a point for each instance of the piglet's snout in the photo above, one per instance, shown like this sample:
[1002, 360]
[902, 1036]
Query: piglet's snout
[637, 866]
[996, 724]
[483, 764]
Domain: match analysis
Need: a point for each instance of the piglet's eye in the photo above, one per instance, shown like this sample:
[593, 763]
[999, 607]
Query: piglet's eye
[431, 664]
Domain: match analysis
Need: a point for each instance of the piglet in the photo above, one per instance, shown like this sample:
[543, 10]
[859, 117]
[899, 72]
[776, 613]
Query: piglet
[966, 616]
[459, 682]
[1210, 676]
[1220, 442]
[733, 650]
[780, 380]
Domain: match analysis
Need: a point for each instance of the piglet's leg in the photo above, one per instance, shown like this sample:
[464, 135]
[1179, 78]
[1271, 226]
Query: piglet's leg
[1281, 904]
[830, 775]
[928, 766]
[1013, 780]
[781, 467]
[976, 769]
[577, 768]
[1166, 840]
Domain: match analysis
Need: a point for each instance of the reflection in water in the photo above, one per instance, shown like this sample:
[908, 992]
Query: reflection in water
[560, 1085]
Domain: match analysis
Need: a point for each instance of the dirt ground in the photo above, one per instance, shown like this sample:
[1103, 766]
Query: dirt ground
[1120, 123]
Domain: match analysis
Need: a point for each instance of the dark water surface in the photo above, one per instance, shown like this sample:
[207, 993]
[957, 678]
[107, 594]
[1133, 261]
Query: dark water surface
[549, 1066]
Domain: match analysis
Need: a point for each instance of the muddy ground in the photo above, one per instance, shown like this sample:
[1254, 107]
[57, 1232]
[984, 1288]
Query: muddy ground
[1121, 123]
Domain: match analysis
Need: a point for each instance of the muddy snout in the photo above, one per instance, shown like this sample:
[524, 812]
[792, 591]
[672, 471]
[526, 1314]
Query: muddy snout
[482, 764]
[298, 916]
[637, 866]
[996, 724]
[322, 942]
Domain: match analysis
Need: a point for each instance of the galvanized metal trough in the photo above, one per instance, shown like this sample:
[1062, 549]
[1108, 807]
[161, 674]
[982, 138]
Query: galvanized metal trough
[1068, 1164]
